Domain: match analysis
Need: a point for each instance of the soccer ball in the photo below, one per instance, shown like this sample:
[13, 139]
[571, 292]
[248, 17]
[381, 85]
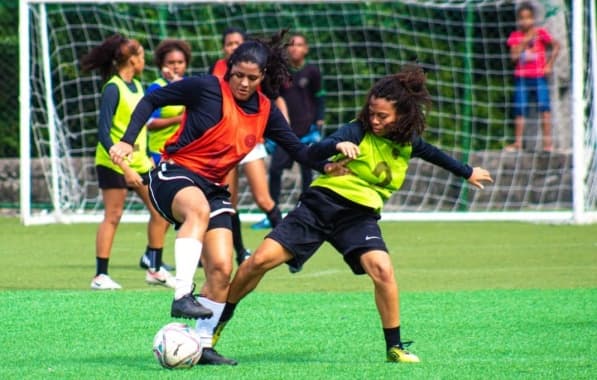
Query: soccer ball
[177, 345]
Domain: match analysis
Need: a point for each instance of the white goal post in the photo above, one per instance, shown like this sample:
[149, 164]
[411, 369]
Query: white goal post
[461, 44]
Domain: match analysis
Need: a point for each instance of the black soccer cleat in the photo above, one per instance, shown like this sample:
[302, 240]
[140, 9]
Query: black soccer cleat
[188, 307]
[212, 357]
[144, 264]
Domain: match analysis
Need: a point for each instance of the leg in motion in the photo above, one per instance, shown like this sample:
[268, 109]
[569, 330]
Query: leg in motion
[378, 266]
[217, 259]
[192, 209]
[269, 255]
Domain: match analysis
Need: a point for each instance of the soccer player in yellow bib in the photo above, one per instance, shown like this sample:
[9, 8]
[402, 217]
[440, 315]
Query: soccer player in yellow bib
[343, 206]
[120, 60]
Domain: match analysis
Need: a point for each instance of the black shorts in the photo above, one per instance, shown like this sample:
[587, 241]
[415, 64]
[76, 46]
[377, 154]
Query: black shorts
[110, 179]
[168, 179]
[322, 215]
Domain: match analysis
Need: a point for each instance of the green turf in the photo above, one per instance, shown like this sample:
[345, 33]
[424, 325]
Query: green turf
[481, 300]
[481, 334]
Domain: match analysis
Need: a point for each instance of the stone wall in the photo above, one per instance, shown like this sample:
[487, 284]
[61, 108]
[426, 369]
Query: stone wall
[523, 180]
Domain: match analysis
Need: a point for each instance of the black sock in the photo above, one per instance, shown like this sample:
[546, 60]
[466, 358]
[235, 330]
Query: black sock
[155, 257]
[228, 312]
[275, 216]
[101, 266]
[392, 336]
[237, 236]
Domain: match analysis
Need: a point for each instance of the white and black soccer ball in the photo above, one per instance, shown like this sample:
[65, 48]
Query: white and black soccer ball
[177, 345]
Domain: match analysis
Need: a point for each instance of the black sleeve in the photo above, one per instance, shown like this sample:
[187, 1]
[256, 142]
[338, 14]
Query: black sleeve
[352, 132]
[108, 104]
[183, 92]
[432, 154]
[278, 130]
[318, 94]
[319, 107]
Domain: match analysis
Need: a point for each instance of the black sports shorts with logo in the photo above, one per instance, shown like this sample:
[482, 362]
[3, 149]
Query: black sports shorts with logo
[168, 179]
[322, 215]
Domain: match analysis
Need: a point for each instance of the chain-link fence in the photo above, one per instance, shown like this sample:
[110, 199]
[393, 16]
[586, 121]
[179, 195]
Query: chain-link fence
[9, 78]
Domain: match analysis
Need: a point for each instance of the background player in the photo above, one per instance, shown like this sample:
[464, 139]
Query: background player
[120, 60]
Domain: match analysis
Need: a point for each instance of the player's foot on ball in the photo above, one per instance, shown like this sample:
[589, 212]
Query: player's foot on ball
[144, 264]
[212, 357]
[217, 332]
[161, 277]
[188, 307]
[242, 256]
[398, 354]
[104, 282]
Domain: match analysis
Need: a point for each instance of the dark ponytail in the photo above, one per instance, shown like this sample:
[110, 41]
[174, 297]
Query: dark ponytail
[110, 55]
[270, 56]
[407, 91]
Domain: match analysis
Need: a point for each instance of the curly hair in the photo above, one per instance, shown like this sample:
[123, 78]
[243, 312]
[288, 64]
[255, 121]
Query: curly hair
[406, 90]
[270, 56]
[168, 46]
[110, 55]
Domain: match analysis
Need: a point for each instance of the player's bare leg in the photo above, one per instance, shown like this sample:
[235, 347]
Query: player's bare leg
[113, 207]
[269, 255]
[379, 267]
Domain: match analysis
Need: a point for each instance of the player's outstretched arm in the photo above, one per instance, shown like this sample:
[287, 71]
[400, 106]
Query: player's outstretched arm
[479, 176]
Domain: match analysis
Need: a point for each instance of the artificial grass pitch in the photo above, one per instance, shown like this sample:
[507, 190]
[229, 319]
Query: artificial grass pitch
[497, 334]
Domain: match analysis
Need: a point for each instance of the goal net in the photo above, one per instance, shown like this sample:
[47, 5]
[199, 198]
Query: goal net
[461, 45]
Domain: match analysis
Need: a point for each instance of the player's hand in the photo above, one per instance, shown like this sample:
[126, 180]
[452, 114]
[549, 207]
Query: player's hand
[337, 168]
[120, 151]
[348, 149]
[479, 176]
[169, 75]
[547, 69]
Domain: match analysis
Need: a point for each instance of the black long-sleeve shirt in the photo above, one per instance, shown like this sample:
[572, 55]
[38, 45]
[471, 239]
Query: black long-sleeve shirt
[202, 98]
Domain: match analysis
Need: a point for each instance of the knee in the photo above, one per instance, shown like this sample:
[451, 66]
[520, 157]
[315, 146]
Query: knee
[219, 272]
[112, 217]
[196, 216]
[257, 263]
[382, 273]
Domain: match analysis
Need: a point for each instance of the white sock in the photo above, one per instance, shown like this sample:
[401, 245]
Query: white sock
[187, 252]
[205, 327]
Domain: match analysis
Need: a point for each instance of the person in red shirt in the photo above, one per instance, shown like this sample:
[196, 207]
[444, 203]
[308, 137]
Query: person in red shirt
[223, 121]
[528, 49]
